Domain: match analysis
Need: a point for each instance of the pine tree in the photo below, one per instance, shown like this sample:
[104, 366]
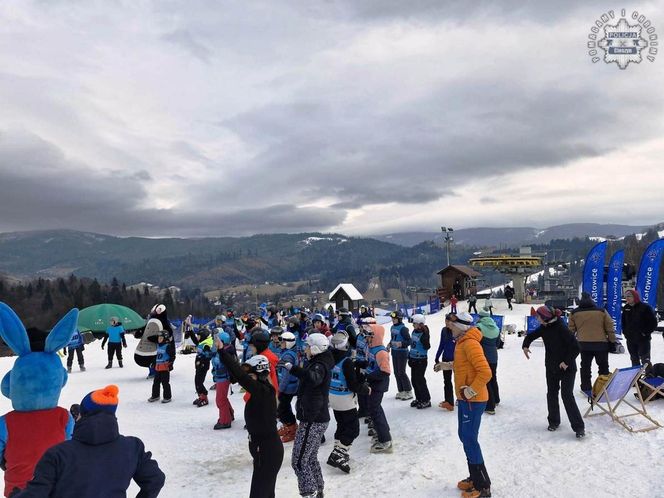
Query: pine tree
[47, 302]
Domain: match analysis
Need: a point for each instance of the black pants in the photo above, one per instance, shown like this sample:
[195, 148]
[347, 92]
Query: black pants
[448, 386]
[602, 359]
[268, 454]
[114, 348]
[472, 306]
[162, 378]
[377, 415]
[202, 367]
[285, 410]
[417, 370]
[399, 362]
[563, 381]
[639, 351]
[492, 387]
[79, 354]
[362, 402]
[348, 426]
[509, 303]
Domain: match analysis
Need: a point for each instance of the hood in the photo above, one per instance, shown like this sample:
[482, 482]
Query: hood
[96, 428]
[472, 334]
[635, 295]
[379, 334]
[488, 327]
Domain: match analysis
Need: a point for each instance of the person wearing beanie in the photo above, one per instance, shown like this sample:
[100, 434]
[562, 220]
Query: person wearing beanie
[312, 410]
[490, 336]
[471, 375]
[260, 415]
[98, 460]
[638, 323]
[596, 335]
[560, 351]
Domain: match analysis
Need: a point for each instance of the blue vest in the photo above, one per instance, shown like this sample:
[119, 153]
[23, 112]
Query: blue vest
[275, 348]
[397, 336]
[373, 364]
[288, 383]
[338, 383]
[361, 346]
[76, 340]
[163, 355]
[230, 328]
[219, 370]
[417, 350]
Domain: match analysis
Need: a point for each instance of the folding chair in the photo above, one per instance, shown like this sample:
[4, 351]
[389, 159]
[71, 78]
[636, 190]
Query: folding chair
[654, 384]
[612, 396]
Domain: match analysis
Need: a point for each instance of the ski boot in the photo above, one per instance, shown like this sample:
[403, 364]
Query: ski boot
[289, 434]
[378, 447]
[339, 458]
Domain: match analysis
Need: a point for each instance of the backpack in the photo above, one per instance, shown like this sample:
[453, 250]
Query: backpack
[599, 384]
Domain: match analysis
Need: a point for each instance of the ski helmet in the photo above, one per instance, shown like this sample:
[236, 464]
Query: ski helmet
[258, 364]
[340, 340]
[396, 314]
[318, 343]
[224, 337]
[419, 318]
[289, 339]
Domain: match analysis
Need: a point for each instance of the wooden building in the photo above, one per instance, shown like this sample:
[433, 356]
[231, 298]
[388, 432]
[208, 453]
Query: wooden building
[457, 279]
[346, 296]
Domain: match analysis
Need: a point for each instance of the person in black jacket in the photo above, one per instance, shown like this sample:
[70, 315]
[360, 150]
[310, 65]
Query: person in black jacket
[260, 415]
[313, 414]
[346, 323]
[638, 323]
[98, 460]
[561, 350]
[345, 386]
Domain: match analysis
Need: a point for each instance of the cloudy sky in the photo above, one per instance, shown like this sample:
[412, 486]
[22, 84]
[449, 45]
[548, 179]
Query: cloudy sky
[193, 118]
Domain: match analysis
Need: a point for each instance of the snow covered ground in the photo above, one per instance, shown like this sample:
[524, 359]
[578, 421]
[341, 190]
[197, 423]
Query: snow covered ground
[523, 459]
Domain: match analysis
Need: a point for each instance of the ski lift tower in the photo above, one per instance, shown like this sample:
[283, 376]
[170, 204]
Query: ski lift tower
[516, 267]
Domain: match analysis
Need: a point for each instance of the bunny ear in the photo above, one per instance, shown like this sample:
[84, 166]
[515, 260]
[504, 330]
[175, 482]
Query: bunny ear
[13, 332]
[61, 334]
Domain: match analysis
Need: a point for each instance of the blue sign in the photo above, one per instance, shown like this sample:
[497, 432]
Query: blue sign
[614, 289]
[593, 273]
[648, 276]
[434, 305]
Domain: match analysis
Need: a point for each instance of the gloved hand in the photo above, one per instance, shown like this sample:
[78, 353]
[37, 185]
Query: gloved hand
[467, 393]
[438, 366]
[447, 365]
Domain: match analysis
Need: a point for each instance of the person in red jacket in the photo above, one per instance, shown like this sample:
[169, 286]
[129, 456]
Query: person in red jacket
[453, 303]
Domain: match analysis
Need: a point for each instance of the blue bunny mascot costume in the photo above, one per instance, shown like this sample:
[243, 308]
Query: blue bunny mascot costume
[33, 385]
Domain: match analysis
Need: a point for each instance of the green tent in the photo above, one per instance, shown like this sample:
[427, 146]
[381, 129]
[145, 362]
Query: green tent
[98, 318]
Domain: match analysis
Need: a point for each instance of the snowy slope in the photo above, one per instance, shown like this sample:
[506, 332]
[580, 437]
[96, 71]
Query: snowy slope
[523, 459]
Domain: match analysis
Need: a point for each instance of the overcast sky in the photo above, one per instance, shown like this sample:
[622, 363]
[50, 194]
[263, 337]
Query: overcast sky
[195, 118]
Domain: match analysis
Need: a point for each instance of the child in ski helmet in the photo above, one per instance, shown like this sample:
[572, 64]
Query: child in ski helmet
[288, 384]
[221, 378]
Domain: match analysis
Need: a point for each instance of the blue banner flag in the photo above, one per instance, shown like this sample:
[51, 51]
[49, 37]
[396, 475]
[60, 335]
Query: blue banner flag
[648, 276]
[434, 305]
[593, 273]
[614, 289]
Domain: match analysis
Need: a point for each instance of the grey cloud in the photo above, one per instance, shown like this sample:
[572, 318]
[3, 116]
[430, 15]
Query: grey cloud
[184, 39]
[41, 189]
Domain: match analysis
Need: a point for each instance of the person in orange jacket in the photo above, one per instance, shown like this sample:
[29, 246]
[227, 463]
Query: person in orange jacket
[471, 374]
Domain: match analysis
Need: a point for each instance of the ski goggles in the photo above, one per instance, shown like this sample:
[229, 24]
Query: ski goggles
[452, 317]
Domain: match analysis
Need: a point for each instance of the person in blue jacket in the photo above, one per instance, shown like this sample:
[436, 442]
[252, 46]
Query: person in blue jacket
[115, 335]
[76, 346]
[222, 380]
[98, 460]
[361, 353]
[490, 335]
[398, 346]
[163, 367]
[418, 361]
[288, 385]
[275, 340]
[444, 362]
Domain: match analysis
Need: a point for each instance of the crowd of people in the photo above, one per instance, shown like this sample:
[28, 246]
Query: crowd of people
[336, 362]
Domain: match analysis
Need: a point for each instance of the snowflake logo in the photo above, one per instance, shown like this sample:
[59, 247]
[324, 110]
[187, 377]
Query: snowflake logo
[622, 43]
[652, 254]
[595, 258]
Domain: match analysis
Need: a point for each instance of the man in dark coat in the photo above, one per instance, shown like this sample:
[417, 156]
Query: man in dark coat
[98, 461]
[638, 323]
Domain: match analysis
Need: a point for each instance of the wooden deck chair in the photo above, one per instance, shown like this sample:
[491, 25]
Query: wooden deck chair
[653, 386]
[612, 396]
